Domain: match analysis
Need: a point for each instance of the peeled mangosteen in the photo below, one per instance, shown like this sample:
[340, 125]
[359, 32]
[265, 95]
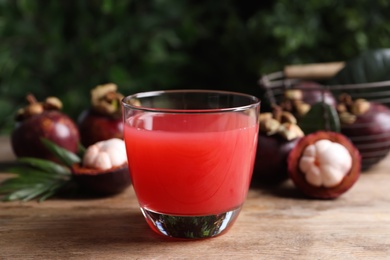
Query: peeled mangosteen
[104, 169]
[103, 120]
[43, 120]
[324, 165]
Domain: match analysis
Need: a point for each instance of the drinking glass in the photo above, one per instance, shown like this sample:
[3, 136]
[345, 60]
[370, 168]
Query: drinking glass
[191, 155]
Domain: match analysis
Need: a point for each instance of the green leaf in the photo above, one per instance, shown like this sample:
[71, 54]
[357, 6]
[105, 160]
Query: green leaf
[67, 157]
[321, 116]
[13, 185]
[18, 182]
[370, 66]
[39, 190]
[29, 173]
[47, 195]
[21, 194]
[81, 149]
[35, 178]
[45, 165]
[21, 189]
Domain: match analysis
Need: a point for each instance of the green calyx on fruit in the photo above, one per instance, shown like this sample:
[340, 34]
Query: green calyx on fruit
[106, 100]
[324, 165]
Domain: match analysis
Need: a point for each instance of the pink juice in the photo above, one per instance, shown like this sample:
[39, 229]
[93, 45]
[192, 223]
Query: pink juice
[191, 164]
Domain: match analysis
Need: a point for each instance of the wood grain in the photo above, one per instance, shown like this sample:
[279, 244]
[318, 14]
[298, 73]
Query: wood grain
[276, 223]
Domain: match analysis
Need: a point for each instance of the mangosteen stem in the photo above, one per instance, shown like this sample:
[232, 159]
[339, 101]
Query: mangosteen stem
[277, 112]
[346, 99]
[31, 99]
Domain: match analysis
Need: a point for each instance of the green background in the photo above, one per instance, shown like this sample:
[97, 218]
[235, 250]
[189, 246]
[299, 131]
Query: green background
[64, 48]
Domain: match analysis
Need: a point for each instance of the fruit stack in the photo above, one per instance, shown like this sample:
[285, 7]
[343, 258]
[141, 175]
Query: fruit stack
[56, 154]
[343, 111]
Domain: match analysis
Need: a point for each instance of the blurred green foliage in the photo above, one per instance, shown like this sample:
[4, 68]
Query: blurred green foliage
[66, 47]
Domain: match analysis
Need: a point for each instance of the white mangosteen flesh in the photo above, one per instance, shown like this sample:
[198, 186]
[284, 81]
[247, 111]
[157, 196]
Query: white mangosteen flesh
[106, 154]
[325, 163]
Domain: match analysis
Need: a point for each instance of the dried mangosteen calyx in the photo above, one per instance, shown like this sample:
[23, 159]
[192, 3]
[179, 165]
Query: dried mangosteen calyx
[350, 109]
[52, 103]
[304, 94]
[105, 155]
[280, 123]
[325, 163]
[293, 94]
[293, 102]
[360, 106]
[106, 100]
[35, 108]
[269, 126]
[290, 131]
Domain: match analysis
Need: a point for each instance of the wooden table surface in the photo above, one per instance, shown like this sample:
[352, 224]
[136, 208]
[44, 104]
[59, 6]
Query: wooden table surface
[274, 224]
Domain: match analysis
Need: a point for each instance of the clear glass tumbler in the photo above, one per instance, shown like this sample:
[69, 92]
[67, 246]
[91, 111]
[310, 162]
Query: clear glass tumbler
[191, 155]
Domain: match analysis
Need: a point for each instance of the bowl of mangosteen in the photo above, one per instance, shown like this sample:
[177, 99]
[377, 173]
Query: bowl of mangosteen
[324, 124]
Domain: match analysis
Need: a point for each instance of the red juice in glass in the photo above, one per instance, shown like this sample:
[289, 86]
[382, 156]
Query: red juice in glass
[191, 164]
[191, 167]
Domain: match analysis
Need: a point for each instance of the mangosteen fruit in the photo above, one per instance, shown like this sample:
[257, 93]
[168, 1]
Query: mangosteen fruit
[278, 134]
[103, 120]
[313, 92]
[104, 169]
[299, 99]
[324, 165]
[367, 124]
[43, 120]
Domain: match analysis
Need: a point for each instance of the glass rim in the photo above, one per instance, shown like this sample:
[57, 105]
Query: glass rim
[252, 101]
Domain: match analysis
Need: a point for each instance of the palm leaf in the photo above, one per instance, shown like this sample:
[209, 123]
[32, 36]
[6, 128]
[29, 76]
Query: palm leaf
[45, 165]
[49, 193]
[19, 188]
[9, 186]
[27, 172]
[81, 149]
[38, 178]
[65, 156]
[26, 194]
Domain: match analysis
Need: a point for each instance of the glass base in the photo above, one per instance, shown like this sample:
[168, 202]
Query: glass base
[190, 227]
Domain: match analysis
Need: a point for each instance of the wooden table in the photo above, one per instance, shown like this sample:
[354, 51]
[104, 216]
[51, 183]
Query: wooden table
[274, 224]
